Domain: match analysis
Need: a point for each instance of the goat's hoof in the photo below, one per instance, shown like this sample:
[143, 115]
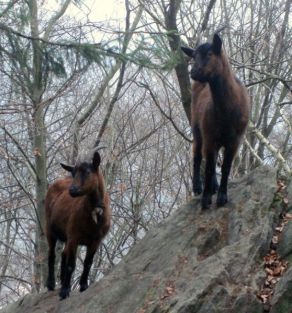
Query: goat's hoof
[215, 186]
[197, 190]
[215, 189]
[64, 293]
[83, 287]
[206, 201]
[51, 285]
[221, 199]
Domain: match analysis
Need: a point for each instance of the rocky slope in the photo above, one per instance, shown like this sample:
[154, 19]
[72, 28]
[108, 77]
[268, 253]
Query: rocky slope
[194, 262]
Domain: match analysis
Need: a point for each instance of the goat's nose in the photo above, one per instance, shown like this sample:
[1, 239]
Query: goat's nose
[195, 71]
[74, 191]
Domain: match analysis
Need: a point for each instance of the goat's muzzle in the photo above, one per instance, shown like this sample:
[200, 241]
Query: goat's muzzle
[198, 75]
[74, 191]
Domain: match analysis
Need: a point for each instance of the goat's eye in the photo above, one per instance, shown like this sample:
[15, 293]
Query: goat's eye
[209, 54]
[87, 172]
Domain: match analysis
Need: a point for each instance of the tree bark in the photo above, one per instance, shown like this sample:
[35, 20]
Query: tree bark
[39, 144]
[181, 69]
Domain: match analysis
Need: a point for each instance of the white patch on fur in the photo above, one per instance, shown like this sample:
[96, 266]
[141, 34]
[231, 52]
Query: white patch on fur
[95, 214]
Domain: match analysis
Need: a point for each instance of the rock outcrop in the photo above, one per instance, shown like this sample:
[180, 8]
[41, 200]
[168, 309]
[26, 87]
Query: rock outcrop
[193, 262]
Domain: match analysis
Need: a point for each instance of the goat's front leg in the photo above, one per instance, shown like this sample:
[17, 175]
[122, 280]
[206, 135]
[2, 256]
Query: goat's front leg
[87, 265]
[226, 167]
[67, 268]
[197, 155]
[209, 180]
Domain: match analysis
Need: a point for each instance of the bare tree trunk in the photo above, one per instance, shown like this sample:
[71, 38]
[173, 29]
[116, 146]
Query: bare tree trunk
[38, 86]
[39, 142]
[181, 68]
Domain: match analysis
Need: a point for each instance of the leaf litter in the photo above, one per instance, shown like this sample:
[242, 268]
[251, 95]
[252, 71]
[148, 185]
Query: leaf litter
[274, 265]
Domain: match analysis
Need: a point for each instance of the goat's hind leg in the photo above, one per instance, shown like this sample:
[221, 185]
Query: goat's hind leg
[67, 268]
[209, 177]
[51, 263]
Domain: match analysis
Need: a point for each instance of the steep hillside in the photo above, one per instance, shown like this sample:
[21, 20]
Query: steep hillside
[194, 262]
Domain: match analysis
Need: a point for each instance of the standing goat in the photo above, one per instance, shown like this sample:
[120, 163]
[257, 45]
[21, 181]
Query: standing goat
[220, 112]
[77, 213]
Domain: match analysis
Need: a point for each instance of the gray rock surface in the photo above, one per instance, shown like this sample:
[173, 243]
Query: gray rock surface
[193, 262]
[282, 299]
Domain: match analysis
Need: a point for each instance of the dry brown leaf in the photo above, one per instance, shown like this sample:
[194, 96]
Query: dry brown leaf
[281, 186]
[275, 280]
[279, 228]
[275, 239]
[283, 269]
[278, 270]
[286, 200]
[270, 278]
[274, 265]
[164, 296]
[36, 152]
[264, 298]
[169, 290]
[269, 271]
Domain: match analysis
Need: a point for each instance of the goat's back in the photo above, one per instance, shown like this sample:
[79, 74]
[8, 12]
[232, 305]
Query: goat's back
[72, 217]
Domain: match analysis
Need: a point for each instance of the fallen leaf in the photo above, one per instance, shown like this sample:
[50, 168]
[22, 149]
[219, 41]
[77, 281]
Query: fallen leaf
[279, 228]
[36, 152]
[264, 298]
[275, 239]
[169, 290]
[269, 271]
[270, 278]
[278, 270]
[285, 200]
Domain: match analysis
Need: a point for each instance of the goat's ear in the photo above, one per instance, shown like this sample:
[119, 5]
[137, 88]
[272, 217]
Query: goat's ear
[96, 160]
[188, 51]
[67, 168]
[217, 44]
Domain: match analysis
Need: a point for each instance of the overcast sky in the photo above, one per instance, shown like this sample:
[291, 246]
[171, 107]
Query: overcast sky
[97, 10]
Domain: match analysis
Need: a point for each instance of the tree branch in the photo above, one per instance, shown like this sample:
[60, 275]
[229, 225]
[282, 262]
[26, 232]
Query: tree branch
[163, 113]
[276, 153]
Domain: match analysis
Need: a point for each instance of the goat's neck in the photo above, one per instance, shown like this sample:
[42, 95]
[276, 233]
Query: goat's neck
[95, 200]
[223, 90]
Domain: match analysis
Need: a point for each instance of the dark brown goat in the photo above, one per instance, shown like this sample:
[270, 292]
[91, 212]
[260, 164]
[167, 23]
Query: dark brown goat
[77, 213]
[220, 112]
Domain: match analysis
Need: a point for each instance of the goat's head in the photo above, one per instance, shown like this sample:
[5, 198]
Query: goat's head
[85, 176]
[207, 60]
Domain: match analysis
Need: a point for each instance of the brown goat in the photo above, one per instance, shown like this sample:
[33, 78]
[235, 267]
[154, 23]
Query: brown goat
[220, 112]
[77, 213]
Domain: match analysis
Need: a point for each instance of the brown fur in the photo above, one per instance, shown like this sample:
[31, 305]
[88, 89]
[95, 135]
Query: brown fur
[203, 105]
[71, 220]
[220, 112]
